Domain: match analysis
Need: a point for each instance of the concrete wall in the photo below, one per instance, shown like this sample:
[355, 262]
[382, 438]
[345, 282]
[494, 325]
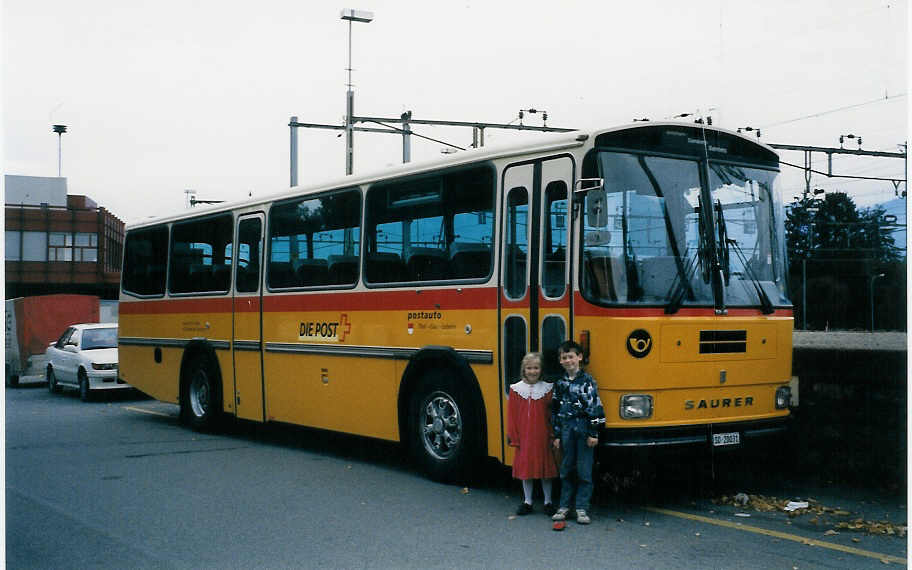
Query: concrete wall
[850, 425]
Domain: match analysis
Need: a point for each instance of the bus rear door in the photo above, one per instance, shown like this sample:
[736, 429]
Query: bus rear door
[247, 341]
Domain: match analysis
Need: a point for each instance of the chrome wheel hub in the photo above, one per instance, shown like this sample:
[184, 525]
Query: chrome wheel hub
[199, 394]
[441, 425]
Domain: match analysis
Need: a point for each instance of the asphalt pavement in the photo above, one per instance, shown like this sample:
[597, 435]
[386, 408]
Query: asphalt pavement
[118, 482]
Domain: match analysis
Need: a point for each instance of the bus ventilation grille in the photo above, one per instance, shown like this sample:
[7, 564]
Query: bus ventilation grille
[723, 342]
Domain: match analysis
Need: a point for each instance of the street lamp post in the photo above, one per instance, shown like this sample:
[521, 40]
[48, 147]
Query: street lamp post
[352, 16]
[59, 129]
[873, 278]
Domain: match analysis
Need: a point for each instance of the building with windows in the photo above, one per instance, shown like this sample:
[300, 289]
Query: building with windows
[59, 243]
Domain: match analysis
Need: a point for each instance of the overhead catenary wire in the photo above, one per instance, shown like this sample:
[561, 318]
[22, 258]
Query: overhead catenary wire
[838, 109]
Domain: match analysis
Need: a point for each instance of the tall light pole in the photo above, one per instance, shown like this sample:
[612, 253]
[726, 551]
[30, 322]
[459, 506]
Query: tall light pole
[352, 16]
[59, 129]
[873, 277]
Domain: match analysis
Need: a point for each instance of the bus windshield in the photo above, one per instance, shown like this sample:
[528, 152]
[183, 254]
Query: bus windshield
[646, 240]
[753, 252]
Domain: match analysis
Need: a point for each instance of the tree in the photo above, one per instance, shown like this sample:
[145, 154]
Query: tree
[836, 252]
[834, 229]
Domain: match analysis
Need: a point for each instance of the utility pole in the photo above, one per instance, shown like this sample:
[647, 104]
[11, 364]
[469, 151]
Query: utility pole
[829, 152]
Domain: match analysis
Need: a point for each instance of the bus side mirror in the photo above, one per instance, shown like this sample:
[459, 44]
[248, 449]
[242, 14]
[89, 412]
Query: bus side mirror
[593, 191]
[596, 210]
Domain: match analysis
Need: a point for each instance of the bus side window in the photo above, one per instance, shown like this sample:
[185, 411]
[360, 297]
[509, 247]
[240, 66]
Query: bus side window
[315, 241]
[433, 227]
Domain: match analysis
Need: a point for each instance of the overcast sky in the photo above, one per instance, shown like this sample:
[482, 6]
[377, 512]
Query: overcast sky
[161, 96]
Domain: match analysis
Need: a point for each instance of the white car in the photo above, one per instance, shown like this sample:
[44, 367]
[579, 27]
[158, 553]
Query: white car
[84, 357]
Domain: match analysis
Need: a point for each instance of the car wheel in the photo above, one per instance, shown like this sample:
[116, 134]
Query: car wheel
[444, 428]
[85, 394]
[53, 387]
[200, 400]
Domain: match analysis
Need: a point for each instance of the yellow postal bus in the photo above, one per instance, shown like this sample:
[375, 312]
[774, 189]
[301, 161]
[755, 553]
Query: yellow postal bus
[398, 305]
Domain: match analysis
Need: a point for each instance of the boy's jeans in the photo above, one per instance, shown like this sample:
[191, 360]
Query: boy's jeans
[578, 458]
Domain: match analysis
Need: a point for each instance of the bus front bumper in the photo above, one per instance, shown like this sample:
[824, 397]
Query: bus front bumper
[720, 436]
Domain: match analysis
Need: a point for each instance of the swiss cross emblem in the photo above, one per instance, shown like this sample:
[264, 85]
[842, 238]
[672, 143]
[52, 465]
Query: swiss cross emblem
[345, 326]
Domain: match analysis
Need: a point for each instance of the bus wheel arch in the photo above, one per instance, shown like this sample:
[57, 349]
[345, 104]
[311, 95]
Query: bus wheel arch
[200, 387]
[441, 414]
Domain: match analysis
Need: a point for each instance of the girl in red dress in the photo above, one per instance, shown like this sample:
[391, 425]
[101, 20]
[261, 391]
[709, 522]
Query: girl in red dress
[529, 431]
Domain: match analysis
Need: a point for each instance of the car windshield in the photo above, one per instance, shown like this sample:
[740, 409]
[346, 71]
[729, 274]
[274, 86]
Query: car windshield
[99, 338]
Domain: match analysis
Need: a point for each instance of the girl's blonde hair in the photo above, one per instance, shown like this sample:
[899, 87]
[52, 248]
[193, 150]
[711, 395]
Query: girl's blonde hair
[527, 359]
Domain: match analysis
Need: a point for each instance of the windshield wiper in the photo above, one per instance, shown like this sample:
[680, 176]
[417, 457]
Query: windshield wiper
[765, 301]
[682, 287]
[725, 261]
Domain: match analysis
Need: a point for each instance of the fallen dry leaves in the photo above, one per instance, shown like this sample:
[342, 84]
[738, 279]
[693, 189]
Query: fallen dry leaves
[821, 514]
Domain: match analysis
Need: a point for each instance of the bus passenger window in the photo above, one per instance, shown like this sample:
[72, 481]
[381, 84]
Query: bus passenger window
[315, 241]
[194, 265]
[145, 259]
[430, 228]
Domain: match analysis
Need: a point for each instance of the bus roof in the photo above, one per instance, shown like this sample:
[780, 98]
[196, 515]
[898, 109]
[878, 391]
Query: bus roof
[541, 143]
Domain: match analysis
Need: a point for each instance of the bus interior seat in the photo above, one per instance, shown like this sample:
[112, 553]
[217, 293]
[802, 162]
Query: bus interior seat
[554, 278]
[312, 272]
[221, 277]
[656, 276]
[605, 275]
[342, 270]
[427, 264]
[281, 274]
[515, 268]
[470, 259]
[385, 267]
[247, 278]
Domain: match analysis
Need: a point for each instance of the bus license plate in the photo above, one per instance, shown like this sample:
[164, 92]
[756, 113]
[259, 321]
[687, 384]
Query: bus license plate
[733, 438]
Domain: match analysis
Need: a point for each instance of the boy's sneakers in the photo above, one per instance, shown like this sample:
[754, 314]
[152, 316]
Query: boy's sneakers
[524, 509]
[561, 514]
[549, 509]
[582, 517]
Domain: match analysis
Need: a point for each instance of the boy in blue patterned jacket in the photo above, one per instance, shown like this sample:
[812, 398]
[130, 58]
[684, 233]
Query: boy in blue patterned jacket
[576, 411]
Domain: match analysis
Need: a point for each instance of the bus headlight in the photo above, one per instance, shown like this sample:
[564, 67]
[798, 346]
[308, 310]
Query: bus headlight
[636, 406]
[783, 397]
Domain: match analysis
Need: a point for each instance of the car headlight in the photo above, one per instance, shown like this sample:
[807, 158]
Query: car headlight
[636, 406]
[783, 397]
[97, 366]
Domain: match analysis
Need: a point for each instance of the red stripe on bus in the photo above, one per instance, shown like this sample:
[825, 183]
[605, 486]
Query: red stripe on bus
[586, 309]
[163, 306]
[415, 300]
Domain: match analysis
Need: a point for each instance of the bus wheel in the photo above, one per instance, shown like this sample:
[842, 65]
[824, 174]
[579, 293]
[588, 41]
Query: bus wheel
[444, 428]
[53, 387]
[199, 401]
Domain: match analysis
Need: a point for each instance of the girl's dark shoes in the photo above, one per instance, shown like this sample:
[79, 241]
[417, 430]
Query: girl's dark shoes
[524, 509]
[549, 509]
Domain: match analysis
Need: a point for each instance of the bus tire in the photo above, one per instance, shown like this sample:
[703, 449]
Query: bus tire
[444, 427]
[200, 397]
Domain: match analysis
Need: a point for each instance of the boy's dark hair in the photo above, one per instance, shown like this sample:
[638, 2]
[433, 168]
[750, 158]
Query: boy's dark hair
[569, 345]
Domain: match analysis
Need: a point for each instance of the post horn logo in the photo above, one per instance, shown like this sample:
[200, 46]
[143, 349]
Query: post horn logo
[639, 343]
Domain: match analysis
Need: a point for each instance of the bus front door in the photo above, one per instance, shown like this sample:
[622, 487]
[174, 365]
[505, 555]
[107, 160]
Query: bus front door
[247, 342]
[535, 268]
